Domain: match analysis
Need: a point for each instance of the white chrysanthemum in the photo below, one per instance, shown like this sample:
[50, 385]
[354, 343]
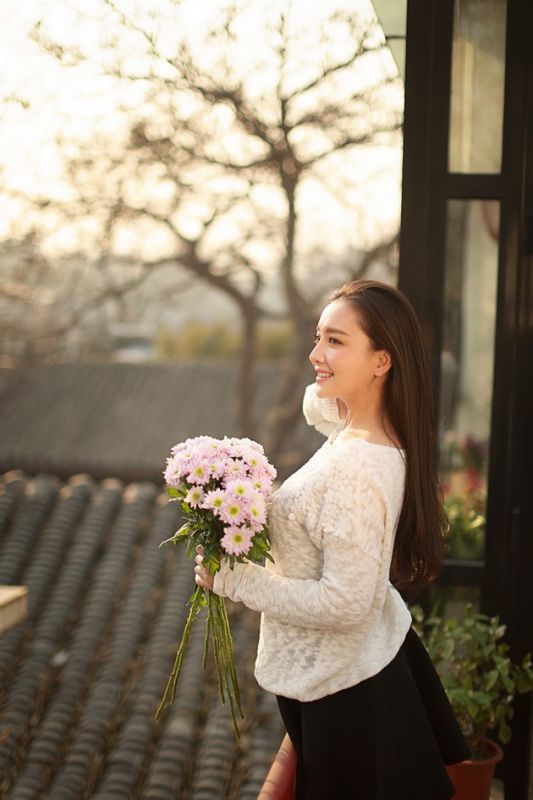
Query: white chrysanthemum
[194, 496]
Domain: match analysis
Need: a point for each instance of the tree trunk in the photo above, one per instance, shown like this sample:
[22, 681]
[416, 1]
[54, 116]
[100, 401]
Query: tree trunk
[247, 378]
[284, 415]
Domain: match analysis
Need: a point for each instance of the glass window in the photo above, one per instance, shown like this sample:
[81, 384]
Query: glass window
[469, 319]
[477, 93]
[392, 16]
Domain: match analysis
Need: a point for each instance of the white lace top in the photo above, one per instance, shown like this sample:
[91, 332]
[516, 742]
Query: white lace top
[330, 617]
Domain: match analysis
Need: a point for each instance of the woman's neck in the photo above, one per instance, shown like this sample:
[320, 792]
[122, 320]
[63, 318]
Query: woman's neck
[370, 424]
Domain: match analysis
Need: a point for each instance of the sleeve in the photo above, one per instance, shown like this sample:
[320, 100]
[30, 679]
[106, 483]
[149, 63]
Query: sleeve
[343, 595]
[320, 412]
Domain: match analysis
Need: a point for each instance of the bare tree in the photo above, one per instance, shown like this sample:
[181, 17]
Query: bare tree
[212, 160]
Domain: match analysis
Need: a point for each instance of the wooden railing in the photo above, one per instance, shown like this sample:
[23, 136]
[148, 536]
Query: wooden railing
[13, 606]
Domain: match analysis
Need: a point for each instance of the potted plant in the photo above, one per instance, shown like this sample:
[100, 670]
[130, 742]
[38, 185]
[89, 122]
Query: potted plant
[481, 682]
[467, 525]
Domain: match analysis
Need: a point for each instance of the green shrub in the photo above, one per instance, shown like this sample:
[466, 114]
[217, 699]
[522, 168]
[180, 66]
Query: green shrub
[197, 340]
[466, 536]
[476, 671]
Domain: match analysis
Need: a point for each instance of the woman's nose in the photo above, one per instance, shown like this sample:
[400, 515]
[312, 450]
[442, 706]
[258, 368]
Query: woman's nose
[314, 355]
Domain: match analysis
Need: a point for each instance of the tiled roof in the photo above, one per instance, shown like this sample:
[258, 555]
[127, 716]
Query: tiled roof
[82, 676]
[120, 419]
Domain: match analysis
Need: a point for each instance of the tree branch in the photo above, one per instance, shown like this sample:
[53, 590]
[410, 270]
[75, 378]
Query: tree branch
[359, 51]
[350, 141]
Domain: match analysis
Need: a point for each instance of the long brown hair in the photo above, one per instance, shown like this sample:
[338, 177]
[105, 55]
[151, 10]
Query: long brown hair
[390, 322]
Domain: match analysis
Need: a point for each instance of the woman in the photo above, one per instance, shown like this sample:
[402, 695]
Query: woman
[359, 696]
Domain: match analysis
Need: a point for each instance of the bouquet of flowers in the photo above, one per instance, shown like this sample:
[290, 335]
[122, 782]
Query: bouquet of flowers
[223, 486]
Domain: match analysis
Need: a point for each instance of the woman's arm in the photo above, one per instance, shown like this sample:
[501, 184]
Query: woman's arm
[340, 598]
[350, 524]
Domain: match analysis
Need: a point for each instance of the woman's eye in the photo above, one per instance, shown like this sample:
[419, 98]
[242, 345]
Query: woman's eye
[331, 339]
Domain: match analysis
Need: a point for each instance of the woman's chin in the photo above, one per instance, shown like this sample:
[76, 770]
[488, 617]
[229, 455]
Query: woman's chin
[323, 389]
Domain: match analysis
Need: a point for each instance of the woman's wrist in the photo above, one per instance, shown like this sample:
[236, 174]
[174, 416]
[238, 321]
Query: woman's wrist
[219, 582]
[227, 579]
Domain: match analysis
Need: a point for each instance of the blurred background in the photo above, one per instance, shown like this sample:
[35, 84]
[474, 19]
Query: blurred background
[182, 183]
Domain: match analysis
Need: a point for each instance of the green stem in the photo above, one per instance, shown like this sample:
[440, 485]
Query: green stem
[196, 606]
[218, 631]
[211, 603]
[207, 632]
[231, 660]
[226, 658]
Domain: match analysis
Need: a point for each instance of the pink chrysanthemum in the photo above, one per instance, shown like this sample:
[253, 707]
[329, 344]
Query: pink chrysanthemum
[194, 496]
[237, 541]
[257, 512]
[172, 472]
[233, 511]
[199, 474]
[235, 470]
[214, 500]
[217, 467]
[241, 488]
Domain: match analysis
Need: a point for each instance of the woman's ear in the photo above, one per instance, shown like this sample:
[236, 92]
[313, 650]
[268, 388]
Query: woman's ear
[384, 363]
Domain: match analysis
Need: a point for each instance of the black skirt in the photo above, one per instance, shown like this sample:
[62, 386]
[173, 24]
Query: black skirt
[386, 738]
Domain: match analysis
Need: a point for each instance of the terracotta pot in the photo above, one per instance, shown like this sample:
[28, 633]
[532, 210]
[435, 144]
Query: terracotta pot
[473, 778]
[279, 784]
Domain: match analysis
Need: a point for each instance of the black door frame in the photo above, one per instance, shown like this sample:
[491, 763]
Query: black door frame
[506, 575]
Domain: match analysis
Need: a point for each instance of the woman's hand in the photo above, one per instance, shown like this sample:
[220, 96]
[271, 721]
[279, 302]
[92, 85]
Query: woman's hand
[202, 575]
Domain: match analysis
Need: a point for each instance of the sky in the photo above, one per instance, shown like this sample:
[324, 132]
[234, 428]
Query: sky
[73, 102]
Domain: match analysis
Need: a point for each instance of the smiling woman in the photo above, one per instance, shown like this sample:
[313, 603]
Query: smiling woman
[362, 703]
[349, 368]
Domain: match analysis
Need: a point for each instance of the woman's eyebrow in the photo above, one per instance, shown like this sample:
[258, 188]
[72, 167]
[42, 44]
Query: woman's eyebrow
[333, 330]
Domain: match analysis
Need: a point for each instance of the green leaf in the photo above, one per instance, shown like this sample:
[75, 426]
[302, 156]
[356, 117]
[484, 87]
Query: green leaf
[491, 679]
[482, 699]
[178, 536]
[504, 733]
[448, 649]
[524, 683]
[471, 707]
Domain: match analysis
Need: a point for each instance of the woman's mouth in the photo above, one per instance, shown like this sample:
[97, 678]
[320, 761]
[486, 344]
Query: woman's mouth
[323, 375]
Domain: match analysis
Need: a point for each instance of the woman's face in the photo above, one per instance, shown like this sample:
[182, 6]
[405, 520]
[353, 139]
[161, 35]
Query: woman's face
[345, 363]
